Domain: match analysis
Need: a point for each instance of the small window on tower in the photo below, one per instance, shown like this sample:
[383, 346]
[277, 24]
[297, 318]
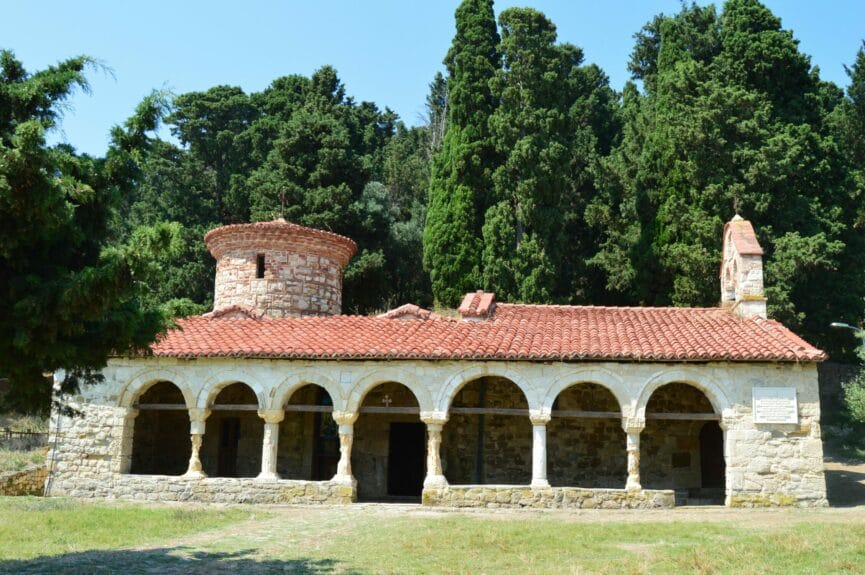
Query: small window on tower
[259, 266]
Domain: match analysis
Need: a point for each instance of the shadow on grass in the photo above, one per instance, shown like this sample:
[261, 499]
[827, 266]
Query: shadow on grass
[845, 488]
[170, 561]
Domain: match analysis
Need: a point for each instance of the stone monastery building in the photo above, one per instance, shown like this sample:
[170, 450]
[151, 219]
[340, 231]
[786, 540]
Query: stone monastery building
[274, 397]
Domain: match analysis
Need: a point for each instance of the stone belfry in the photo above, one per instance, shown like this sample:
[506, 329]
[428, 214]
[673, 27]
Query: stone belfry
[742, 270]
[277, 269]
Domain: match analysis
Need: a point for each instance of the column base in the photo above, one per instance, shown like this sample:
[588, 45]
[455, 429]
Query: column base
[344, 480]
[435, 481]
[195, 474]
[539, 483]
[267, 476]
[633, 486]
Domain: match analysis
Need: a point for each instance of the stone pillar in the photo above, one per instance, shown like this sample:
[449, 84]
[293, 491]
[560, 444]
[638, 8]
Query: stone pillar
[434, 474]
[633, 426]
[539, 449]
[197, 419]
[127, 436]
[345, 420]
[270, 445]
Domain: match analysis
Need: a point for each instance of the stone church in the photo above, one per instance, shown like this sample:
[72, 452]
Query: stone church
[274, 397]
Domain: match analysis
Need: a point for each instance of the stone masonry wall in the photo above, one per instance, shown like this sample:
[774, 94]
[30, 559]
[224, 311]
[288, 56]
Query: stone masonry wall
[586, 452]
[294, 284]
[210, 490]
[495, 497]
[670, 449]
[506, 441]
[30, 481]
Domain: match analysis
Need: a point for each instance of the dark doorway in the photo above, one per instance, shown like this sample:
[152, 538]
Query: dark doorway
[406, 455]
[229, 437]
[712, 465]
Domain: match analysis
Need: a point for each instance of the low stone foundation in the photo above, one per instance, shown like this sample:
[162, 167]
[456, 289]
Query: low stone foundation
[207, 490]
[749, 500]
[30, 481]
[508, 496]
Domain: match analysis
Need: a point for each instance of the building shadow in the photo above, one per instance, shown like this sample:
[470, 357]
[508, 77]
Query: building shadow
[845, 487]
[168, 561]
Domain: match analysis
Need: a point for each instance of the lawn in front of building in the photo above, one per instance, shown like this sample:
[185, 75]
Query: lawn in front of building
[65, 536]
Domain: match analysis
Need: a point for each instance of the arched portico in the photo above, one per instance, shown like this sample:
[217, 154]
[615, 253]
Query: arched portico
[586, 444]
[308, 436]
[389, 446]
[160, 442]
[682, 444]
[488, 438]
[232, 446]
[370, 381]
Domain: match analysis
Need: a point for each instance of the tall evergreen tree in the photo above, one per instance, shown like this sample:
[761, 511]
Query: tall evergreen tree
[462, 169]
[69, 298]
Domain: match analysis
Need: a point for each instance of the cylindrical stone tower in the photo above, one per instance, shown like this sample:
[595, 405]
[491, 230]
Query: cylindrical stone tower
[278, 268]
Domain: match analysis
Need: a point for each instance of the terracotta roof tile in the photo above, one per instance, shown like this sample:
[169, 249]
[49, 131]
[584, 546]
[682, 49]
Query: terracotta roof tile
[511, 332]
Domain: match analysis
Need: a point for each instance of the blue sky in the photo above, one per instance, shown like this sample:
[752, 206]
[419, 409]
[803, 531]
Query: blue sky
[385, 51]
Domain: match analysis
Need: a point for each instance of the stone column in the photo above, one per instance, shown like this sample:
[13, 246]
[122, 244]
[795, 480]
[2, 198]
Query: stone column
[126, 418]
[270, 445]
[633, 427]
[434, 474]
[539, 449]
[345, 420]
[197, 419]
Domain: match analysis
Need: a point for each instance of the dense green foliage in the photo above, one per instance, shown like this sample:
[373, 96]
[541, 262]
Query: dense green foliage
[530, 177]
[733, 119]
[336, 164]
[69, 298]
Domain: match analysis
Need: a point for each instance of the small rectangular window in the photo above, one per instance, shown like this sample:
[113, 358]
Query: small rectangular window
[259, 266]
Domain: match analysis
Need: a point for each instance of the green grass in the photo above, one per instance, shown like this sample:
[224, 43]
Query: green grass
[469, 545]
[36, 526]
[358, 540]
[14, 460]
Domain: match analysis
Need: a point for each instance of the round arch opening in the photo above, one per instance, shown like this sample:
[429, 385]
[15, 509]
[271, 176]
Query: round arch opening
[682, 445]
[160, 438]
[488, 436]
[388, 456]
[308, 447]
[234, 434]
[586, 445]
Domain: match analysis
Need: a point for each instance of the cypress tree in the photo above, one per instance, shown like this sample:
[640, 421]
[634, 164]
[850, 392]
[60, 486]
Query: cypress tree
[462, 168]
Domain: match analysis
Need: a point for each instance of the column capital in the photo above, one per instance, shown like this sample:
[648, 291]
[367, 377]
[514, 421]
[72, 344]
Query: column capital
[633, 424]
[539, 416]
[434, 417]
[198, 414]
[271, 415]
[345, 417]
[129, 412]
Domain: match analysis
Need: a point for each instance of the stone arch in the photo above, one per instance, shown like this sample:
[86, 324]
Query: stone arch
[220, 381]
[598, 376]
[457, 381]
[145, 379]
[372, 380]
[158, 438]
[710, 387]
[283, 392]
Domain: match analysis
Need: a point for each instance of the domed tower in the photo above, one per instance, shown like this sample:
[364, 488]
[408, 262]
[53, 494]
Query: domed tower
[278, 269]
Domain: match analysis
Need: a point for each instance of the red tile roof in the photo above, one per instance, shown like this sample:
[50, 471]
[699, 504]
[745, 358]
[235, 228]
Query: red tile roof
[511, 332]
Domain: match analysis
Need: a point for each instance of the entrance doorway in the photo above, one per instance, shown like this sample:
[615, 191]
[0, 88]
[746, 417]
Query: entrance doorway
[712, 465]
[405, 461]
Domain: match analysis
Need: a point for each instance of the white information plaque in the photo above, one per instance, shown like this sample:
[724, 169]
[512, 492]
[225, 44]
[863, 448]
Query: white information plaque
[775, 405]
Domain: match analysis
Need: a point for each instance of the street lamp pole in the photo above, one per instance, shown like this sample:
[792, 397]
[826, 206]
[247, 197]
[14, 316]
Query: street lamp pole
[858, 332]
